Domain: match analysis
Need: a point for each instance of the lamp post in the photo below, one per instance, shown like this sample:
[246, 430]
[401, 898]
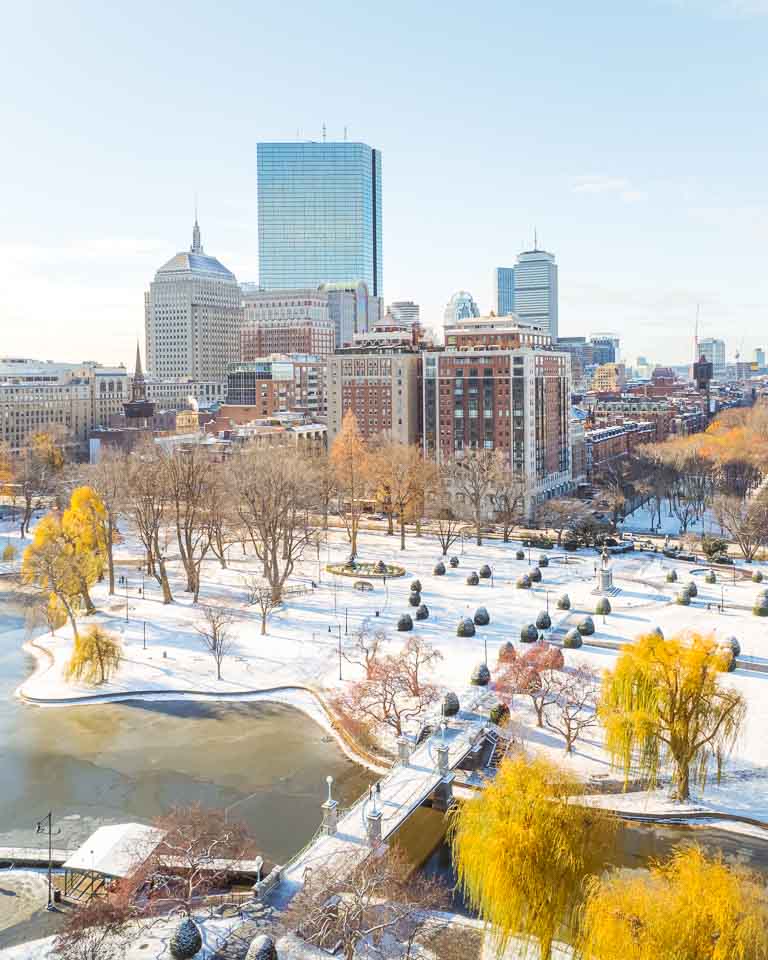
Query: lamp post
[485, 646]
[547, 592]
[722, 598]
[145, 634]
[346, 621]
[340, 677]
[48, 818]
[126, 599]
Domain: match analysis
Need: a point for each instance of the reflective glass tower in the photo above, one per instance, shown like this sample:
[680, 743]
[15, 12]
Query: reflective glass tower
[319, 214]
[536, 289]
[505, 291]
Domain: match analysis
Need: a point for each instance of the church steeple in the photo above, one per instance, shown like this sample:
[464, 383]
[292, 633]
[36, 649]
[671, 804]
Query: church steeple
[197, 245]
[139, 388]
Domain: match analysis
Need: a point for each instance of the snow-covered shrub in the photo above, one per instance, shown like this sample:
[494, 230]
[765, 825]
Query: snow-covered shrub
[757, 576]
[465, 627]
[499, 714]
[523, 582]
[485, 571]
[710, 576]
[535, 575]
[405, 623]
[415, 586]
[454, 561]
[262, 948]
[563, 602]
[450, 704]
[186, 942]
[507, 652]
[586, 627]
[482, 619]
[439, 569]
[760, 608]
[658, 632]
[473, 579]
[529, 633]
[543, 560]
[671, 576]
[414, 598]
[683, 598]
[732, 644]
[481, 676]
[572, 639]
[691, 589]
[543, 621]
[422, 611]
[519, 554]
[603, 606]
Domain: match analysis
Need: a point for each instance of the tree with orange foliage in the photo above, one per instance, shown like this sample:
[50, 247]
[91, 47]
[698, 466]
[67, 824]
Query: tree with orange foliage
[349, 456]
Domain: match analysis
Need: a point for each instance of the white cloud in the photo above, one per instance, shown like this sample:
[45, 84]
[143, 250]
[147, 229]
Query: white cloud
[617, 186]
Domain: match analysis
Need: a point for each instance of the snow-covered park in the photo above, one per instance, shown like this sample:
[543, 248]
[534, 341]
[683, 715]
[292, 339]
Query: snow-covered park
[301, 647]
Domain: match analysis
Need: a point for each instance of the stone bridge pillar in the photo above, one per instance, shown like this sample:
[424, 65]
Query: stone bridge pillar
[403, 750]
[373, 827]
[443, 795]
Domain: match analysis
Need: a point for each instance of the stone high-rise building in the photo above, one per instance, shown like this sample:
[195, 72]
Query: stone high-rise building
[193, 314]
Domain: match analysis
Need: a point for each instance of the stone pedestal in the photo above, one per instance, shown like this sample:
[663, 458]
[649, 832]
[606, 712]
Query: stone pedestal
[442, 759]
[443, 795]
[604, 580]
[403, 750]
[330, 817]
[373, 826]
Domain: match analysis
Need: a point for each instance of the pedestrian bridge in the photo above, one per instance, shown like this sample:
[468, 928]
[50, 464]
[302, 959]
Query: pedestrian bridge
[427, 772]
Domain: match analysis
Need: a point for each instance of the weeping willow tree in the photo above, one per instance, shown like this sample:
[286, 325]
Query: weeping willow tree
[523, 848]
[665, 705]
[690, 908]
[96, 656]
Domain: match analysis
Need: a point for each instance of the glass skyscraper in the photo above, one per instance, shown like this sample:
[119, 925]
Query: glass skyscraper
[536, 289]
[505, 291]
[319, 214]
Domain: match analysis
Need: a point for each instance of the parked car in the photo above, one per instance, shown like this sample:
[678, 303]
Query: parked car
[724, 558]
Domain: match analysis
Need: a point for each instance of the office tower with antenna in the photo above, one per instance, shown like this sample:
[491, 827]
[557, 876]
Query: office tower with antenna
[319, 214]
[535, 289]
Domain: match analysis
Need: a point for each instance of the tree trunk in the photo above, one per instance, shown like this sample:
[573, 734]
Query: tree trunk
[263, 623]
[479, 530]
[402, 532]
[167, 595]
[70, 614]
[390, 525]
[85, 594]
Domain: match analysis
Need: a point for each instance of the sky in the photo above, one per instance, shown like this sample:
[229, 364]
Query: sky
[631, 137]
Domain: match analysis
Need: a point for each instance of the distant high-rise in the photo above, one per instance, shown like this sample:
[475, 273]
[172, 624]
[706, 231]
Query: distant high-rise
[505, 290]
[404, 311]
[459, 307]
[192, 316]
[760, 358]
[536, 289]
[319, 214]
[713, 350]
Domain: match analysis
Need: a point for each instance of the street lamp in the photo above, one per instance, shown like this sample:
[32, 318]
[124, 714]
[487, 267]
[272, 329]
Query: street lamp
[145, 634]
[547, 592]
[39, 829]
[340, 677]
[126, 599]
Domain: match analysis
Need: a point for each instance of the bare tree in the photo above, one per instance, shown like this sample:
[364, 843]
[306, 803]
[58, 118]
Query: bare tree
[216, 633]
[101, 929]
[561, 515]
[36, 471]
[107, 478]
[473, 478]
[371, 907]
[386, 697]
[200, 853]
[416, 656]
[186, 473]
[367, 646]
[572, 709]
[324, 486]
[148, 506]
[274, 499]
[745, 521]
[532, 674]
[441, 509]
[260, 595]
[508, 499]
[220, 514]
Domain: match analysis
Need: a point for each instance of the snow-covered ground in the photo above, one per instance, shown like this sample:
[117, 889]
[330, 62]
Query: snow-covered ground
[302, 643]
[639, 521]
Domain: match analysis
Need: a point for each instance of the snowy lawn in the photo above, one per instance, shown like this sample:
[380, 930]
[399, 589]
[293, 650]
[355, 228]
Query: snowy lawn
[301, 646]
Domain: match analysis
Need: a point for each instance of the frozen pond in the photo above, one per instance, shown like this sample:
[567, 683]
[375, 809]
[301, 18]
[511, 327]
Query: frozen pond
[132, 760]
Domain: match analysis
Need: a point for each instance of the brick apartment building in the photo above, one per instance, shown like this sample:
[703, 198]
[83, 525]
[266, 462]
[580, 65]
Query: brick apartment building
[271, 384]
[514, 401]
[607, 446]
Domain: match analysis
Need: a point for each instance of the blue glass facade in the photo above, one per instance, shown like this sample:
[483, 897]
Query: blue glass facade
[505, 291]
[319, 214]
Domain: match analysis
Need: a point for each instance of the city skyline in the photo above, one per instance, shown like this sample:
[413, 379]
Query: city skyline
[647, 210]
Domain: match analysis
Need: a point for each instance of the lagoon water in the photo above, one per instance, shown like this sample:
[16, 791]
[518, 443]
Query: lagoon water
[133, 760]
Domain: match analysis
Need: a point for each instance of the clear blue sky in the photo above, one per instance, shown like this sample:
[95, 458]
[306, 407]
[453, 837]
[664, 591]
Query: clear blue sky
[634, 137]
